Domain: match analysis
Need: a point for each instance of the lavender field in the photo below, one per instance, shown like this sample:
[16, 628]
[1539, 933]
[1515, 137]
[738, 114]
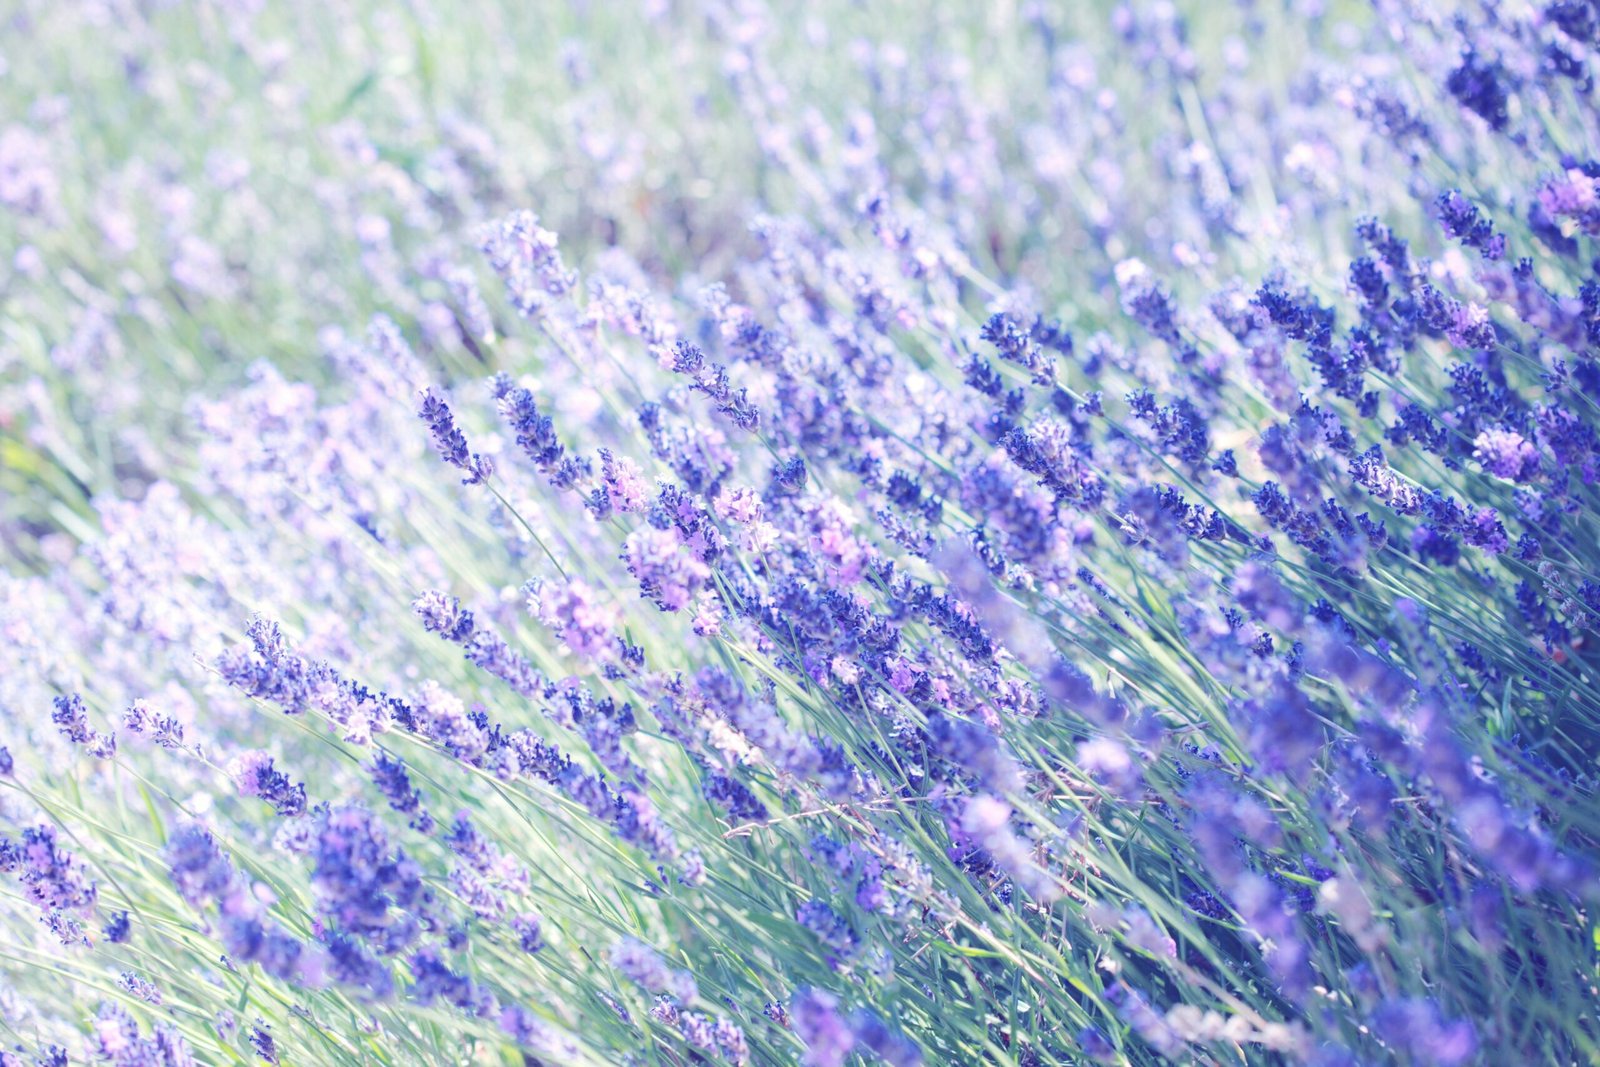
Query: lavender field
[674, 532]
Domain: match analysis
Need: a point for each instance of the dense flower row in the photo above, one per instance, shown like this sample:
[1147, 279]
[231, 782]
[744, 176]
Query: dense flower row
[1086, 553]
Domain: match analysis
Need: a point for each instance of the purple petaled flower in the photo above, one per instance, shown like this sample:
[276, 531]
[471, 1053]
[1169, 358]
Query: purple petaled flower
[272, 673]
[891, 1047]
[985, 821]
[1020, 343]
[443, 719]
[488, 651]
[716, 383]
[976, 750]
[389, 360]
[1574, 195]
[631, 814]
[471, 311]
[1147, 302]
[389, 775]
[49, 874]
[827, 1035]
[29, 183]
[67, 928]
[448, 441]
[1416, 1030]
[1483, 529]
[829, 927]
[644, 967]
[252, 939]
[1476, 83]
[1467, 325]
[530, 934]
[626, 488]
[701, 1031]
[1146, 934]
[669, 575]
[573, 609]
[481, 854]
[117, 928]
[117, 1039]
[73, 722]
[1046, 449]
[1109, 761]
[362, 884]
[1143, 1019]
[687, 358]
[1462, 220]
[1506, 454]
[730, 1041]
[116, 1034]
[477, 892]
[741, 804]
[256, 777]
[442, 614]
[353, 966]
[830, 1037]
[693, 872]
[528, 1031]
[1180, 426]
[432, 979]
[199, 869]
[140, 987]
[1094, 1043]
[143, 721]
[263, 1044]
[1282, 731]
[536, 434]
[526, 257]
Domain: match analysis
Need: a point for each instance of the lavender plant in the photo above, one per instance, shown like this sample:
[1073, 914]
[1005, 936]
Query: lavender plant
[826, 534]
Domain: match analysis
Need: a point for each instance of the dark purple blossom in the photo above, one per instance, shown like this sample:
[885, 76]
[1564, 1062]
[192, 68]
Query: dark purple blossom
[448, 441]
[1478, 84]
[262, 1043]
[51, 877]
[389, 775]
[257, 777]
[536, 434]
[530, 935]
[364, 886]
[1462, 221]
[73, 722]
[432, 979]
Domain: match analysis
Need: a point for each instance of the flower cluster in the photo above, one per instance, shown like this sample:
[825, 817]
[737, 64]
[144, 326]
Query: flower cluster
[1017, 535]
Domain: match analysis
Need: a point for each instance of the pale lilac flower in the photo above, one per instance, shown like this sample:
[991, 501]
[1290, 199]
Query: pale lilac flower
[668, 573]
[1506, 454]
[644, 967]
